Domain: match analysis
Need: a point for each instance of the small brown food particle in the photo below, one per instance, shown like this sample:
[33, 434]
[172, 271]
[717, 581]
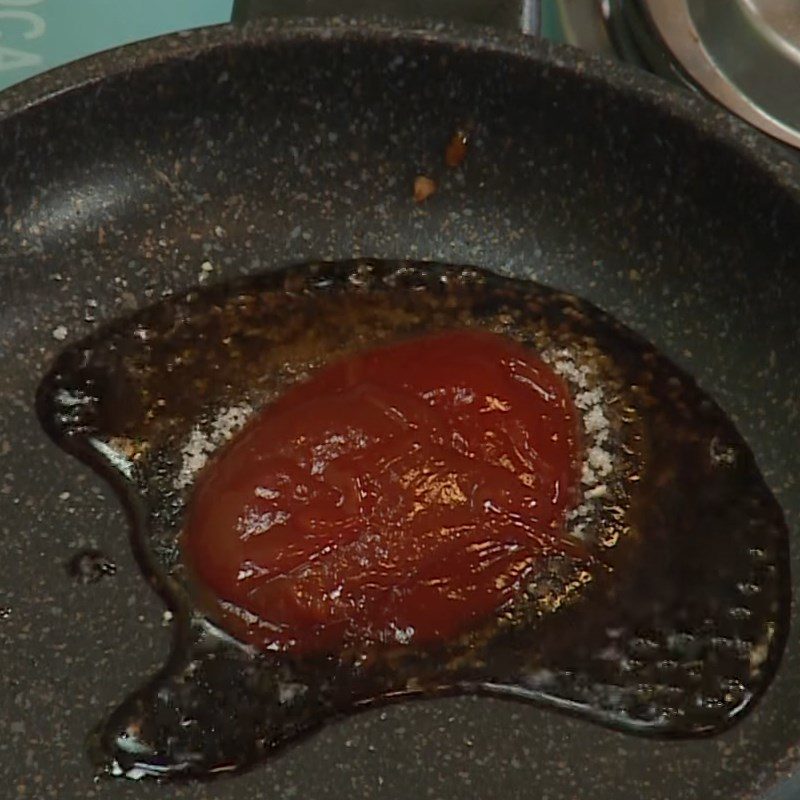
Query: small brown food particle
[424, 187]
[456, 150]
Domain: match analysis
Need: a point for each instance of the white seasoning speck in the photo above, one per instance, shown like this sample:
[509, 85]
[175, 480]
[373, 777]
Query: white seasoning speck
[402, 635]
[600, 460]
[60, 332]
[587, 390]
[596, 422]
[589, 399]
[203, 440]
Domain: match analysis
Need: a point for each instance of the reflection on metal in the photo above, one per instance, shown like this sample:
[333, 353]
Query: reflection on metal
[583, 23]
[744, 53]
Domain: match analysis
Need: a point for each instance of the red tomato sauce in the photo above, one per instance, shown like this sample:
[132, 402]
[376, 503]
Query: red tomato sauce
[401, 495]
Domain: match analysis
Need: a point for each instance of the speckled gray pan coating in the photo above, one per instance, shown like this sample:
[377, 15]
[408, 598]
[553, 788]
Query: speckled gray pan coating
[224, 152]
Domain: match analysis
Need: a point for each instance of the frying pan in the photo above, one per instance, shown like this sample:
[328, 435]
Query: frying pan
[249, 148]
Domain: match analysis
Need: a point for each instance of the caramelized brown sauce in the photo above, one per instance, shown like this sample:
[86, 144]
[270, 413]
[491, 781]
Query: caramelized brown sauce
[667, 616]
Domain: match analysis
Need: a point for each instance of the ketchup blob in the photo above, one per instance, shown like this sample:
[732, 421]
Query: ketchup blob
[400, 495]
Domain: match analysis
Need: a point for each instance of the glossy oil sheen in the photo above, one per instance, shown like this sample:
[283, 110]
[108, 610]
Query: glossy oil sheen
[668, 618]
[402, 494]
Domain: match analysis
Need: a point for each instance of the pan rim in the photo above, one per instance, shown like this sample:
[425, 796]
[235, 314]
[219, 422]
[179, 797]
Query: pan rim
[694, 110]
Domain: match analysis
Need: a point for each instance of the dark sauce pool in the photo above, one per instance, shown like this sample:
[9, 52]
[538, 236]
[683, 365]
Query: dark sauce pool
[672, 625]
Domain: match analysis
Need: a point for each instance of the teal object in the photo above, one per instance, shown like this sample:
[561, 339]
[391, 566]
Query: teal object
[37, 35]
[551, 21]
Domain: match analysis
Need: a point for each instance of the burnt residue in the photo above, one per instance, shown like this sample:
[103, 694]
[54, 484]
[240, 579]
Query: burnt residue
[90, 565]
[675, 630]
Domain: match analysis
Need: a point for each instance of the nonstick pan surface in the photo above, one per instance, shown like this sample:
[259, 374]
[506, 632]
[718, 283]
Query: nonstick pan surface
[245, 150]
